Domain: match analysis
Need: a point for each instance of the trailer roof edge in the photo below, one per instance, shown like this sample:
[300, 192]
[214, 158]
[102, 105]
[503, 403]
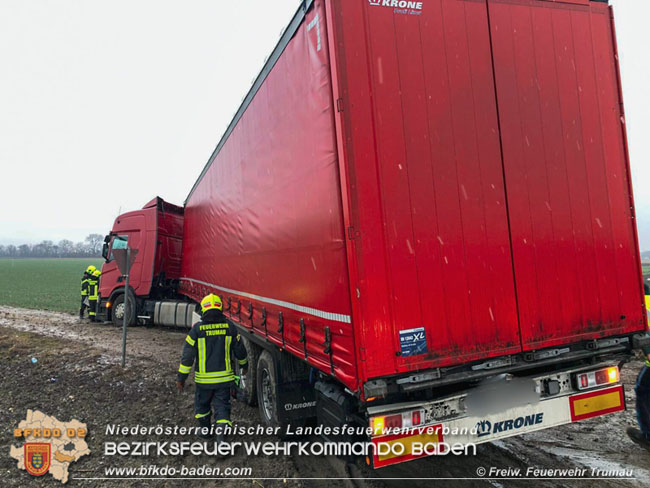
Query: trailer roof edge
[288, 34]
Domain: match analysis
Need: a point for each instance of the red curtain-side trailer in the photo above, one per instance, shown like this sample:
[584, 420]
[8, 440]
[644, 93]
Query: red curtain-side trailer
[417, 195]
[424, 186]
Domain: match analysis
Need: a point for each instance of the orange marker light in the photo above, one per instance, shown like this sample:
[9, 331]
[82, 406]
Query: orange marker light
[613, 375]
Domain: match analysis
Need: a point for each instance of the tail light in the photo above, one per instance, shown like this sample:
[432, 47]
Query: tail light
[377, 424]
[597, 378]
[416, 417]
[393, 422]
[404, 420]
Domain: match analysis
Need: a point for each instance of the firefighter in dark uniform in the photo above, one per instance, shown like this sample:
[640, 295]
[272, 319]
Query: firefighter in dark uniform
[210, 347]
[84, 290]
[93, 294]
[642, 388]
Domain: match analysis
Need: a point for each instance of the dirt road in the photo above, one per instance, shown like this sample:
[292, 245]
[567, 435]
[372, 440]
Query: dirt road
[77, 375]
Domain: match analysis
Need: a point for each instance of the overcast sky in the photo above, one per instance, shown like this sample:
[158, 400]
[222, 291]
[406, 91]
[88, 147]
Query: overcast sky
[104, 105]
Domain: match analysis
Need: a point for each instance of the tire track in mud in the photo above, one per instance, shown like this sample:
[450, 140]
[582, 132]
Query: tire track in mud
[143, 343]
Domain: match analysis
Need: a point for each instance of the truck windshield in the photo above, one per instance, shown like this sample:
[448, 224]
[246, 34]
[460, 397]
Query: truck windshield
[119, 242]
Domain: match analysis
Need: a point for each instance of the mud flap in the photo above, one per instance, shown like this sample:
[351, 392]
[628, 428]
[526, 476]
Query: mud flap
[296, 402]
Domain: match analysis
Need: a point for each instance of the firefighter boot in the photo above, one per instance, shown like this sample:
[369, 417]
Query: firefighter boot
[222, 443]
[637, 437]
[204, 431]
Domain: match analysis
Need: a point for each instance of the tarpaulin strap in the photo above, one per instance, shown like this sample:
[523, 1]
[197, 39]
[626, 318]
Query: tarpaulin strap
[303, 337]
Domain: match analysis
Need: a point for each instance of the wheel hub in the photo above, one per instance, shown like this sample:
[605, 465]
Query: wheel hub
[118, 311]
[242, 380]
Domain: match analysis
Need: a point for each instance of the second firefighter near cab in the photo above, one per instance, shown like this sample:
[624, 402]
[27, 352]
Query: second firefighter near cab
[85, 286]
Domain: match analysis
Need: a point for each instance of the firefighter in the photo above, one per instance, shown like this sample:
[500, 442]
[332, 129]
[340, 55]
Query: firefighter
[84, 290]
[93, 294]
[642, 389]
[210, 345]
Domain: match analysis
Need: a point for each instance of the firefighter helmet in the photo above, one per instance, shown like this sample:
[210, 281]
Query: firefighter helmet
[97, 273]
[211, 302]
[90, 269]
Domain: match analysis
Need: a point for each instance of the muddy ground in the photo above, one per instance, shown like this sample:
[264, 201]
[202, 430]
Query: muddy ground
[78, 375]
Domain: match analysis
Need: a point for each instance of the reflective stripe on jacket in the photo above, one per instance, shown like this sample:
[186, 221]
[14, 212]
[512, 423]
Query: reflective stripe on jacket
[93, 288]
[84, 285]
[210, 347]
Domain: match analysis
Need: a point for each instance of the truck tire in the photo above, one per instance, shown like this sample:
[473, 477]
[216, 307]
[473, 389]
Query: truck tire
[247, 391]
[117, 314]
[266, 390]
[267, 398]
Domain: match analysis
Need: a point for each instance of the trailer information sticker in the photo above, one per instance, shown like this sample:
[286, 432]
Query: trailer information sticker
[413, 341]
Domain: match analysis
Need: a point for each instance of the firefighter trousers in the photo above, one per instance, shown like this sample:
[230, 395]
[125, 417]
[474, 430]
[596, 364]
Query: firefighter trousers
[83, 308]
[92, 309]
[642, 389]
[208, 399]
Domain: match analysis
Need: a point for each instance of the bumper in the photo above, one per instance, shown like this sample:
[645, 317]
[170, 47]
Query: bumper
[438, 438]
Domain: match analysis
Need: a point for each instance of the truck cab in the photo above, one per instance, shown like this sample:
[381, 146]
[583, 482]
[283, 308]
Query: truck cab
[156, 233]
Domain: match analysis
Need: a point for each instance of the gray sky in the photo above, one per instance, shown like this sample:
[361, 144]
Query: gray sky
[92, 90]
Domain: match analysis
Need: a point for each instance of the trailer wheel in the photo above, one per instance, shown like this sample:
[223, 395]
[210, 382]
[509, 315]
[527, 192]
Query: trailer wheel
[247, 391]
[117, 315]
[267, 399]
[266, 390]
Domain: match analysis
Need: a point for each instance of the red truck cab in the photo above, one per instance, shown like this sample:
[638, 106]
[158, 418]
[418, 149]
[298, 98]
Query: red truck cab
[156, 233]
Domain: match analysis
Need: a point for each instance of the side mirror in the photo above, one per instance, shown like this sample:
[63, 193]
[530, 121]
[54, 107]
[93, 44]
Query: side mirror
[105, 252]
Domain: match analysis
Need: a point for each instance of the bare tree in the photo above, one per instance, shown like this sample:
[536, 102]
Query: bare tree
[66, 248]
[81, 249]
[24, 251]
[94, 242]
[47, 249]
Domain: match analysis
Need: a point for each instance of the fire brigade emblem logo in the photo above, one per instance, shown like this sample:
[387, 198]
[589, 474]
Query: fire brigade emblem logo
[37, 458]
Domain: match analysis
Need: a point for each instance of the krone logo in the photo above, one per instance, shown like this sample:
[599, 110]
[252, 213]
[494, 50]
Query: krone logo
[484, 427]
[396, 4]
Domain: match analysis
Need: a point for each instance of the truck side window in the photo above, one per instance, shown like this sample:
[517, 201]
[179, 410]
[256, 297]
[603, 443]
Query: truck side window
[119, 242]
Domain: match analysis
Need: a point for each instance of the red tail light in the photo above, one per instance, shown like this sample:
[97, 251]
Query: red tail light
[416, 417]
[393, 421]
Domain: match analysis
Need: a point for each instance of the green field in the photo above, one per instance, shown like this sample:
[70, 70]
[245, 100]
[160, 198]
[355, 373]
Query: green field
[646, 269]
[44, 284]
[54, 284]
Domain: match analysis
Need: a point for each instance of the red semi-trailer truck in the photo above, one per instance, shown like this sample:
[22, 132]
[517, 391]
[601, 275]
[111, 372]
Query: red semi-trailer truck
[415, 200]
